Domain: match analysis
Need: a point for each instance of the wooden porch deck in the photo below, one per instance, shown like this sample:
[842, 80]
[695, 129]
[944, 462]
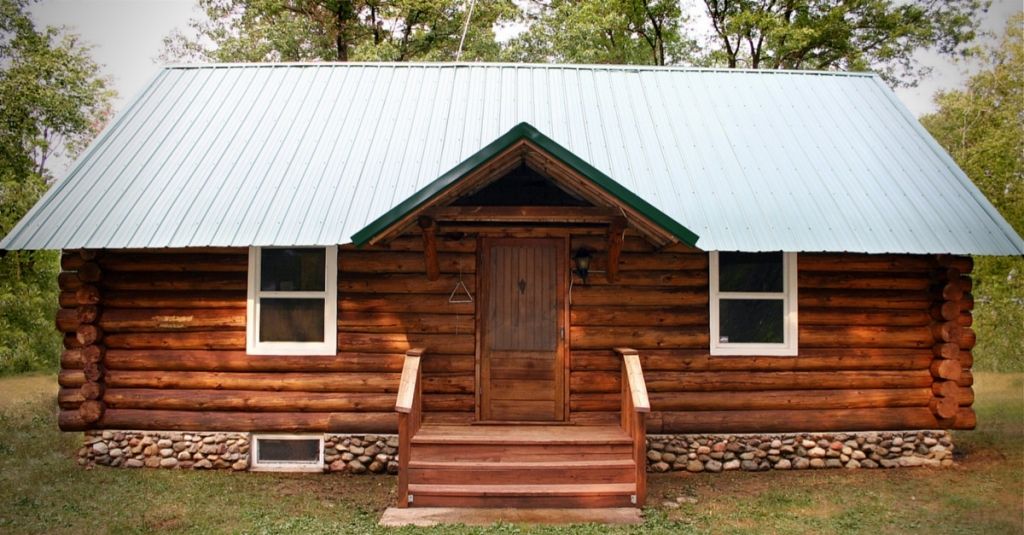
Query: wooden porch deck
[522, 465]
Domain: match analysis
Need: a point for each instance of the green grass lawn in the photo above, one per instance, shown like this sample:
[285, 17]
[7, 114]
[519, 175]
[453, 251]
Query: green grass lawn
[43, 490]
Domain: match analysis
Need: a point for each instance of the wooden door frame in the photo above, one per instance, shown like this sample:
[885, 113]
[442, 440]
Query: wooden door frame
[483, 248]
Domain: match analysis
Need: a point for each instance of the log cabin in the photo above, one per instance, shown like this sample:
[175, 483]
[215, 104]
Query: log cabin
[514, 285]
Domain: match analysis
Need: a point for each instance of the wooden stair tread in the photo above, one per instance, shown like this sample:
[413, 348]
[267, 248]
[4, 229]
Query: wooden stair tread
[521, 465]
[522, 435]
[606, 489]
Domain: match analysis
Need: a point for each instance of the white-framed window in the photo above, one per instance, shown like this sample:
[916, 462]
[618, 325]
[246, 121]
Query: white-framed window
[287, 453]
[292, 307]
[753, 303]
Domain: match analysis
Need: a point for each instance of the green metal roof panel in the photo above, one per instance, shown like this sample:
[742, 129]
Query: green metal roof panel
[310, 154]
[519, 132]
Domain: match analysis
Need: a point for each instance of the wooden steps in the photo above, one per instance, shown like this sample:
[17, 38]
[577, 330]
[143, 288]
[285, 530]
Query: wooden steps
[524, 466]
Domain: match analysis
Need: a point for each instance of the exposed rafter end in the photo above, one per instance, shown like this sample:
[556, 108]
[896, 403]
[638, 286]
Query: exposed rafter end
[429, 228]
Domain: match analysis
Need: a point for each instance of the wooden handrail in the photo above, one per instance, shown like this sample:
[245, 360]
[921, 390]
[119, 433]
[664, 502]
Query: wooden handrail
[633, 377]
[410, 415]
[409, 382]
[635, 406]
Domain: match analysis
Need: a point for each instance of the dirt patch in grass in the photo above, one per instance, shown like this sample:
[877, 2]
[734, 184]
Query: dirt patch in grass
[26, 389]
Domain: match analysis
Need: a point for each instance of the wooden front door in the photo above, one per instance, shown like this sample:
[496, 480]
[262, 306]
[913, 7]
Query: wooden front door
[522, 330]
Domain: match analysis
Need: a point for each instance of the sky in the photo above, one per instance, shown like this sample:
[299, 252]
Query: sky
[127, 36]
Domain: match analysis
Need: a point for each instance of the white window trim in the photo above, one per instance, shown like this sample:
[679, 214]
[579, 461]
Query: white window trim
[790, 344]
[283, 466]
[329, 346]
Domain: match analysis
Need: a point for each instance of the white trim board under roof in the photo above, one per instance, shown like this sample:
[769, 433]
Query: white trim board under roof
[308, 154]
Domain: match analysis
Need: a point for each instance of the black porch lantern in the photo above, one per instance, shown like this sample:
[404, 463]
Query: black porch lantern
[582, 261]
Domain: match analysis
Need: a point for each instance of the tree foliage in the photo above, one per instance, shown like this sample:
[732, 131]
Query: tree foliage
[853, 35]
[644, 32]
[982, 128]
[338, 30]
[52, 102]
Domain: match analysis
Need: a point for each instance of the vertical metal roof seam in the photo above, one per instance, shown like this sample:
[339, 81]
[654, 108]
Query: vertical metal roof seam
[833, 148]
[1009, 233]
[63, 199]
[332, 103]
[928, 174]
[755, 153]
[701, 171]
[214, 231]
[735, 176]
[804, 160]
[343, 151]
[279, 174]
[327, 181]
[882, 187]
[85, 159]
[396, 195]
[388, 193]
[668, 152]
[242, 211]
[160, 149]
[886, 142]
[132, 207]
[640, 111]
[659, 145]
[383, 94]
[218, 151]
[108, 179]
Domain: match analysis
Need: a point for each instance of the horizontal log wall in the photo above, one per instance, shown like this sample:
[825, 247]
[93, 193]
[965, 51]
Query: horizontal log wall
[872, 330]
[156, 340]
[171, 328]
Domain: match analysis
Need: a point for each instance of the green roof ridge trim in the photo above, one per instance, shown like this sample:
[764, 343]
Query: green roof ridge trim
[526, 131]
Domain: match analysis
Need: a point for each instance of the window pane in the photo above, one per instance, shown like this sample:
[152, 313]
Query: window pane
[751, 321]
[289, 450]
[292, 270]
[291, 320]
[750, 272]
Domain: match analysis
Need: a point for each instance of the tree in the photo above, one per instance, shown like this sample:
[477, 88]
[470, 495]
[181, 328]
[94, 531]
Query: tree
[982, 128]
[338, 30]
[852, 35]
[52, 102]
[645, 32]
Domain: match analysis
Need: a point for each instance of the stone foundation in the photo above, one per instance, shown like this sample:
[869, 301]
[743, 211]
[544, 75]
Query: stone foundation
[172, 449]
[378, 454]
[800, 451]
[358, 454]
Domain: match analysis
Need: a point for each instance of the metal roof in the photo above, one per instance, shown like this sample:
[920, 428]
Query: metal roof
[308, 154]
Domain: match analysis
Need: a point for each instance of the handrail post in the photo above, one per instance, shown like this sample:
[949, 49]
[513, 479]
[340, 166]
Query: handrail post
[635, 406]
[409, 406]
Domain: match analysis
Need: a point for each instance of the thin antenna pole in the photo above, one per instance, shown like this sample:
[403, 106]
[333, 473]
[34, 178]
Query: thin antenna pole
[465, 28]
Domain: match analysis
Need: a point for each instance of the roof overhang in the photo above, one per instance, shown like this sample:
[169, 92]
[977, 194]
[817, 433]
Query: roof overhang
[525, 145]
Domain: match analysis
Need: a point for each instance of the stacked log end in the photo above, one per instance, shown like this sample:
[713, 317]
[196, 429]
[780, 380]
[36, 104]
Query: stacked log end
[950, 328]
[82, 361]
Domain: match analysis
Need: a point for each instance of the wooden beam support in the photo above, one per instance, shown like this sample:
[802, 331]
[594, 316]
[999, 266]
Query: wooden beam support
[523, 214]
[429, 228]
[616, 231]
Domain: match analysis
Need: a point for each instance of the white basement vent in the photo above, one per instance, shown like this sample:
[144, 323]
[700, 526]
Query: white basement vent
[288, 453]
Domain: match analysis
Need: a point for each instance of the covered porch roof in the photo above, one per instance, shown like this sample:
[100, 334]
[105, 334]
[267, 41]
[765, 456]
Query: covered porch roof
[524, 145]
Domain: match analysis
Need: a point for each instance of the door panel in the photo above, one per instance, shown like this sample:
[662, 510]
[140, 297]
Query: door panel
[522, 372]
